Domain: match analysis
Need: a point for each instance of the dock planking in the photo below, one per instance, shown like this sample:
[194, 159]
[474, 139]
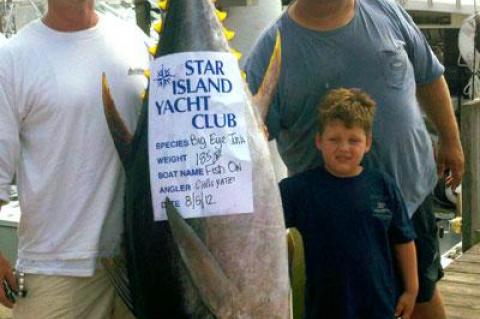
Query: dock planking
[460, 287]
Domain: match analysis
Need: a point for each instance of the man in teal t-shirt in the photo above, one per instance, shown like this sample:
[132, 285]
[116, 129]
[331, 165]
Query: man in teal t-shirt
[375, 46]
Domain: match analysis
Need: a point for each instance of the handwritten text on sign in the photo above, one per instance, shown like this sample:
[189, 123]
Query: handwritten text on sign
[198, 149]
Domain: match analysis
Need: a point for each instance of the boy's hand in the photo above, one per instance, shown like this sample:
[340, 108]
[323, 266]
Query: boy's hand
[405, 305]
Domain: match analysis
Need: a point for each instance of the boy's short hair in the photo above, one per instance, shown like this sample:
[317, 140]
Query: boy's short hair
[352, 107]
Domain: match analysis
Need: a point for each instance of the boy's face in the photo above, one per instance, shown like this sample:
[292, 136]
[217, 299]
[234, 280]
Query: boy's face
[343, 148]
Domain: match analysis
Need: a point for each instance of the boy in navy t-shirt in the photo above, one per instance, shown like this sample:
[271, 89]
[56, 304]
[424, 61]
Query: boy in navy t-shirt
[353, 221]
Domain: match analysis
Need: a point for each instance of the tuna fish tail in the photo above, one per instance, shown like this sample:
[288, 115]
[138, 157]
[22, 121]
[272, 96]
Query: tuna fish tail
[264, 96]
[120, 133]
[217, 292]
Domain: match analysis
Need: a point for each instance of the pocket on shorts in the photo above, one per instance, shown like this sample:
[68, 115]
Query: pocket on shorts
[394, 62]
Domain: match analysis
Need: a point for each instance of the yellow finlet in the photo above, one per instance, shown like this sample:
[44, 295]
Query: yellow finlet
[236, 53]
[163, 4]
[229, 34]
[221, 15]
[153, 50]
[146, 73]
[157, 26]
[143, 94]
[244, 75]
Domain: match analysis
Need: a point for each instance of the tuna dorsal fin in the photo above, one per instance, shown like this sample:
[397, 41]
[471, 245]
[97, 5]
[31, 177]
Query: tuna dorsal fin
[264, 96]
[218, 293]
[120, 133]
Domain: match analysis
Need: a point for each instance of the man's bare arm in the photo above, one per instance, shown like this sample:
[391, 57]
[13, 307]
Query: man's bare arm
[435, 101]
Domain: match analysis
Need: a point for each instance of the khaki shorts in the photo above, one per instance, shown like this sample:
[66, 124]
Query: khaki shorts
[61, 297]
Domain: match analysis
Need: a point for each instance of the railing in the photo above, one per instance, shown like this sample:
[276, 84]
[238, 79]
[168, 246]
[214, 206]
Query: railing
[452, 6]
[470, 135]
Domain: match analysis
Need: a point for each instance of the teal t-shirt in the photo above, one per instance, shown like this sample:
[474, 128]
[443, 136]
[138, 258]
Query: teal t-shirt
[380, 51]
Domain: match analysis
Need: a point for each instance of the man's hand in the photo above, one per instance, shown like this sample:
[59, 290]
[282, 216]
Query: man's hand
[450, 163]
[405, 305]
[6, 276]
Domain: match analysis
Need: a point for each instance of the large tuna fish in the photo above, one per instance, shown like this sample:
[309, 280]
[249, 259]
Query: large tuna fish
[226, 266]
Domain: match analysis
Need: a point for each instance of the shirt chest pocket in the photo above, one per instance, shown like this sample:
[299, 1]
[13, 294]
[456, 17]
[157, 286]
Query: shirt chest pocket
[394, 63]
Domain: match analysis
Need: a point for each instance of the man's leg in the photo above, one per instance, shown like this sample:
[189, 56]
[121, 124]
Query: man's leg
[47, 297]
[120, 310]
[63, 297]
[433, 309]
[429, 303]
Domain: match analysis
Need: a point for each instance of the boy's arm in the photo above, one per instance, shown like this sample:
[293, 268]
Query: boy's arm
[406, 258]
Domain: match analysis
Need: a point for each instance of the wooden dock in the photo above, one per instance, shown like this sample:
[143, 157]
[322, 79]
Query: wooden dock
[460, 287]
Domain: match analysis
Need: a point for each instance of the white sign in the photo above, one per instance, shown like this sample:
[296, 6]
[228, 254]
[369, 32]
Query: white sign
[198, 148]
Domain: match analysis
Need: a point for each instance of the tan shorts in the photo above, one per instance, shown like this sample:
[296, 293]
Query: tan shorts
[60, 297]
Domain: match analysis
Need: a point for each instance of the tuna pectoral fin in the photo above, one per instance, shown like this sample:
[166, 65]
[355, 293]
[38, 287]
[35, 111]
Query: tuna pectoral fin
[264, 96]
[216, 290]
[116, 268]
[120, 133]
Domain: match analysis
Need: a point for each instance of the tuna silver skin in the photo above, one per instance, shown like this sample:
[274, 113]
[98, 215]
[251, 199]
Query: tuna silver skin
[232, 266]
